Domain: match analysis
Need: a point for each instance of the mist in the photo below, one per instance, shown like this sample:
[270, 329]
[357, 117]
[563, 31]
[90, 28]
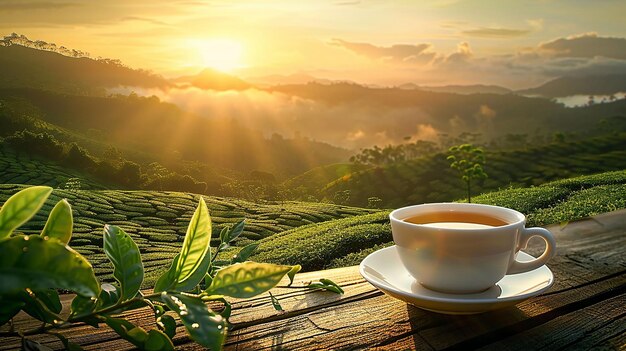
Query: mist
[350, 124]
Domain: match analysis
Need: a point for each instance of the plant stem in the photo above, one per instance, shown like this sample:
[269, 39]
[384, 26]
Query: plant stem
[82, 318]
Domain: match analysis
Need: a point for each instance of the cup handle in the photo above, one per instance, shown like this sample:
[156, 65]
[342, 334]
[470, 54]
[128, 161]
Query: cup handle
[527, 233]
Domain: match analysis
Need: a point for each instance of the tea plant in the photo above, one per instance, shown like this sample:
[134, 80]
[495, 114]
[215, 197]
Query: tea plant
[33, 267]
[469, 161]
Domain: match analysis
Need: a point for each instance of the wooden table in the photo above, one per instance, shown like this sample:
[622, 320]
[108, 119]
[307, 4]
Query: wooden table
[585, 309]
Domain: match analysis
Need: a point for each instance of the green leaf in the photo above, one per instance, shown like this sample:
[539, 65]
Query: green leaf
[128, 331]
[60, 223]
[167, 280]
[208, 280]
[197, 276]
[235, 231]
[244, 253]
[9, 308]
[82, 305]
[43, 304]
[196, 243]
[37, 308]
[167, 324]
[20, 207]
[247, 279]
[204, 326]
[326, 284]
[35, 263]
[124, 254]
[275, 302]
[223, 234]
[292, 273]
[109, 295]
[50, 298]
[158, 341]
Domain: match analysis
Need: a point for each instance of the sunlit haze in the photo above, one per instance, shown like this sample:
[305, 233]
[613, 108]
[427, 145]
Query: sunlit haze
[516, 44]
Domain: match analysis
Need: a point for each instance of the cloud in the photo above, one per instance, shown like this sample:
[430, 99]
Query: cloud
[462, 55]
[426, 132]
[398, 53]
[144, 19]
[9, 6]
[586, 45]
[495, 32]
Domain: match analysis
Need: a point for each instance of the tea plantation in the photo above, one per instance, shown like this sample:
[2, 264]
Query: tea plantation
[315, 235]
[157, 221]
[347, 241]
[20, 168]
[431, 179]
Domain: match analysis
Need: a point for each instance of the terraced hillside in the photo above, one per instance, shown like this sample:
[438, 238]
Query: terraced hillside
[20, 168]
[431, 179]
[315, 235]
[347, 241]
[313, 180]
[157, 221]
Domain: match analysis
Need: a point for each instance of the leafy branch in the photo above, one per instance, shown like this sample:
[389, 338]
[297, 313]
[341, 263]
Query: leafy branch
[468, 160]
[33, 267]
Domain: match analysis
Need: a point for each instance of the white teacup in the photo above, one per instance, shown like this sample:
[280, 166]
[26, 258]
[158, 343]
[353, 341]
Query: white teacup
[464, 248]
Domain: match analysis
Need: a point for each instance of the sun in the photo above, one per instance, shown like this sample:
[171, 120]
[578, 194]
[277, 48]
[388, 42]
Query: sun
[221, 54]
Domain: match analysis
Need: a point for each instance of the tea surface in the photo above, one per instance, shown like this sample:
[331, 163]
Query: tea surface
[456, 219]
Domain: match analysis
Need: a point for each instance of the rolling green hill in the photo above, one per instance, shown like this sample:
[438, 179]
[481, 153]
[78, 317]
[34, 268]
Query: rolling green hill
[158, 220]
[347, 241]
[174, 135]
[431, 179]
[21, 168]
[22, 66]
[314, 180]
[315, 235]
[586, 85]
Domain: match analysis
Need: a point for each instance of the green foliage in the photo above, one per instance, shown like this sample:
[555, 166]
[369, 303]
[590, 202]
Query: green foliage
[394, 153]
[202, 324]
[430, 179]
[196, 244]
[60, 223]
[247, 279]
[314, 246]
[468, 160]
[31, 267]
[154, 340]
[35, 263]
[21, 207]
[157, 222]
[347, 242]
[124, 255]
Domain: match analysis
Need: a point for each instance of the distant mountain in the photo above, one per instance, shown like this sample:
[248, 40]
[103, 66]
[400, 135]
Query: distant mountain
[464, 89]
[164, 132]
[211, 79]
[584, 85]
[27, 67]
[362, 116]
[279, 79]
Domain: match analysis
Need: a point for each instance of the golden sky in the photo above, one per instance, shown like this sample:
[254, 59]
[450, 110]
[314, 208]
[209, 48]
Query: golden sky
[513, 43]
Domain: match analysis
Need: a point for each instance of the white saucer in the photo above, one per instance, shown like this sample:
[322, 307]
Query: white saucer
[384, 270]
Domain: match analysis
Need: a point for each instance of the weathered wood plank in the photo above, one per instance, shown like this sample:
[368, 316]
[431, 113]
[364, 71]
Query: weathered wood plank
[384, 322]
[581, 329]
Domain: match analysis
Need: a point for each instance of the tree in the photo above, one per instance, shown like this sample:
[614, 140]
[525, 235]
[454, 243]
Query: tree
[468, 160]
